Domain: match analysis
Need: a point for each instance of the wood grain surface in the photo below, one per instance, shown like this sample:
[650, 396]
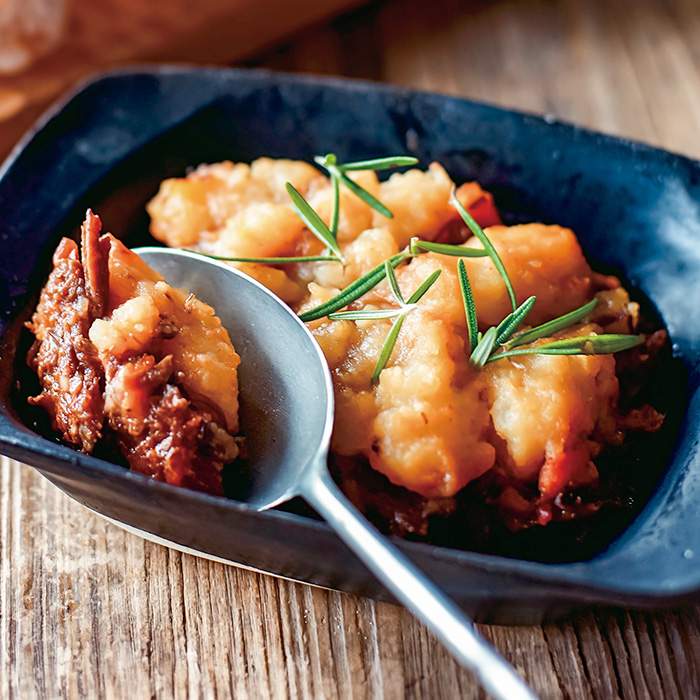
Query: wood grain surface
[89, 611]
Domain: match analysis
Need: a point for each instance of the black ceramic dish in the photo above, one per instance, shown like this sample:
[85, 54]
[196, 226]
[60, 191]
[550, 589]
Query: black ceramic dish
[636, 210]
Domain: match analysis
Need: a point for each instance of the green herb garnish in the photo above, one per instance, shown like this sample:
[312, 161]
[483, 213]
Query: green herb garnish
[554, 326]
[379, 163]
[488, 246]
[335, 211]
[314, 222]
[405, 307]
[338, 175]
[355, 290]
[498, 342]
[510, 323]
[487, 350]
[365, 283]
[481, 353]
[387, 349]
[416, 247]
[469, 305]
[420, 292]
[605, 344]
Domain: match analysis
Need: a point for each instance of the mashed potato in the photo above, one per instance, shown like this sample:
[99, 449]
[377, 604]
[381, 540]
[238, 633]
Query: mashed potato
[432, 423]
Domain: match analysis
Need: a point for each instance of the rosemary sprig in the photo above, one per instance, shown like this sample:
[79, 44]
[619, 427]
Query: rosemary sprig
[488, 246]
[553, 326]
[364, 314]
[354, 291]
[335, 211]
[496, 335]
[405, 307]
[481, 353]
[394, 285]
[380, 163]
[337, 172]
[398, 315]
[469, 305]
[498, 342]
[486, 350]
[314, 222]
[365, 283]
[510, 323]
[423, 288]
[375, 314]
[387, 348]
[416, 247]
[605, 344]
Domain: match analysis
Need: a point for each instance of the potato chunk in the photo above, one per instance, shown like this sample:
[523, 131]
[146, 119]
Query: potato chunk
[185, 209]
[542, 260]
[549, 409]
[431, 426]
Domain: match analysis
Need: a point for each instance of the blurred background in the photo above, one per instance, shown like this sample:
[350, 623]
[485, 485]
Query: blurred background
[629, 67]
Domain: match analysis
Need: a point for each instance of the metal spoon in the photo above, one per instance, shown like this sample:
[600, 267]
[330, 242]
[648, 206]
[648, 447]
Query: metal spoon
[287, 416]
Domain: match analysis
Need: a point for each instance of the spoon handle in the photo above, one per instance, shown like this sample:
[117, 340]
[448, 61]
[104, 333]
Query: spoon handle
[416, 591]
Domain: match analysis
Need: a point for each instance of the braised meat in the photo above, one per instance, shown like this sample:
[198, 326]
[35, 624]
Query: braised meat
[121, 354]
[62, 355]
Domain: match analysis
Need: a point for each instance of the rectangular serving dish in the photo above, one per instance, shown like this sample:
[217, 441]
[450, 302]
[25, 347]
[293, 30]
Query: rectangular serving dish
[636, 210]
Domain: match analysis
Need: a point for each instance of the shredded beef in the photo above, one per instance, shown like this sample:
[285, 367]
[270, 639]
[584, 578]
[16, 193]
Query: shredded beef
[69, 370]
[134, 399]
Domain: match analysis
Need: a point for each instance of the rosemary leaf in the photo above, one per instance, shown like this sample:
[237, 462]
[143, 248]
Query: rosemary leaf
[469, 305]
[353, 291]
[488, 246]
[582, 345]
[379, 163]
[270, 261]
[420, 292]
[388, 347]
[365, 314]
[359, 191]
[446, 249]
[394, 284]
[328, 159]
[335, 212]
[313, 221]
[337, 172]
[482, 351]
[553, 326]
[510, 323]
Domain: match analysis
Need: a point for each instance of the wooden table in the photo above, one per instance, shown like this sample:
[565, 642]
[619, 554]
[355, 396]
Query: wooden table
[87, 610]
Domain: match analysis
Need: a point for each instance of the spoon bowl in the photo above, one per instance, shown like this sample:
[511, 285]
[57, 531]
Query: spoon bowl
[286, 398]
[286, 394]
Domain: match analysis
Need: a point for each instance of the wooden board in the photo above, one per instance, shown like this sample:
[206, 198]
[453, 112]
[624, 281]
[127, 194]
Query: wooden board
[87, 610]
